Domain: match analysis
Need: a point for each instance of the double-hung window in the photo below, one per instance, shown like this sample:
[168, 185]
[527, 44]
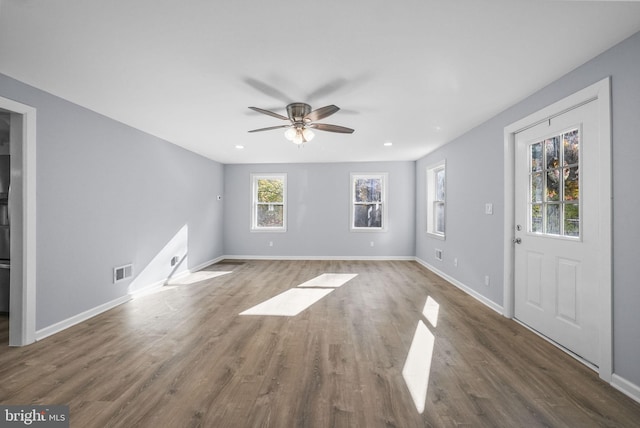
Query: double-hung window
[369, 202]
[436, 204]
[269, 202]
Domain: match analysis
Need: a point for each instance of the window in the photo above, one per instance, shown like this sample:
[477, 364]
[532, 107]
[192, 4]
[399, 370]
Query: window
[554, 185]
[436, 205]
[269, 202]
[368, 202]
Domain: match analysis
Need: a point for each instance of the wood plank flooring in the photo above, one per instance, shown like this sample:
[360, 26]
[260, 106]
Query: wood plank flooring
[183, 357]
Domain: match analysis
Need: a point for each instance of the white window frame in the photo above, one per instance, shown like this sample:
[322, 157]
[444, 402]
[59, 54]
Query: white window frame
[255, 203]
[384, 179]
[432, 200]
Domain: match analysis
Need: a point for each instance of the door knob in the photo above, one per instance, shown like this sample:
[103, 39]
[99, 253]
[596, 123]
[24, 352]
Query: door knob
[517, 241]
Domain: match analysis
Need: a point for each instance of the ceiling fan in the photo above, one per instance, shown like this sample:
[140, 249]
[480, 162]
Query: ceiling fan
[302, 120]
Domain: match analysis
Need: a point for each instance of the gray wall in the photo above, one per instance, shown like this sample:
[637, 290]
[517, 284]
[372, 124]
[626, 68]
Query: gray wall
[318, 212]
[109, 195]
[474, 173]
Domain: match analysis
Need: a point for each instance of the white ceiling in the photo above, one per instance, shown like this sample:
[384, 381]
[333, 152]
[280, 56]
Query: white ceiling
[417, 73]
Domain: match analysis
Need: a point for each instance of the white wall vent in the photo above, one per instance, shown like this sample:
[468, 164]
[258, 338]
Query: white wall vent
[123, 272]
[438, 254]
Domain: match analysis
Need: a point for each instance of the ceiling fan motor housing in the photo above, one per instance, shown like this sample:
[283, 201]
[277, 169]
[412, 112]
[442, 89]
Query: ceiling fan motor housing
[297, 111]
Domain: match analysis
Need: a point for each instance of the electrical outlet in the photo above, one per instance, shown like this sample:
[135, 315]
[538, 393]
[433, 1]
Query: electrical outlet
[372, 243]
[455, 262]
[486, 280]
[271, 243]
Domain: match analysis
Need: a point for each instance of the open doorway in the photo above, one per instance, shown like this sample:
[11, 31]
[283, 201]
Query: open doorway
[21, 221]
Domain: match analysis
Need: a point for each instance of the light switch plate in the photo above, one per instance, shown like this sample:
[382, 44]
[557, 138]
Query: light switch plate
[488, 208]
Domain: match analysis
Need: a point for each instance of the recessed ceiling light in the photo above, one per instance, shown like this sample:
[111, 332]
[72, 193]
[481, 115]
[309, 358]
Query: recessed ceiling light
[388, 143]
[239, 146]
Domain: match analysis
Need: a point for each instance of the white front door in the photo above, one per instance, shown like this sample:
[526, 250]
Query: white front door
[557, 218]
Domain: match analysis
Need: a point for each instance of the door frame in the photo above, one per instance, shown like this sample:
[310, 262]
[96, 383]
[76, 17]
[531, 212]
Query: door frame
[22, 303]
[599, 92]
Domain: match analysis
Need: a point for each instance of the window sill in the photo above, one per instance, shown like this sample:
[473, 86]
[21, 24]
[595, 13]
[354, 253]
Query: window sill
[439, 236]
[367, 229]
[274, 230]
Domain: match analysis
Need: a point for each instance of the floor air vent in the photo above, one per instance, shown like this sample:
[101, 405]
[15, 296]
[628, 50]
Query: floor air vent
[123, 272]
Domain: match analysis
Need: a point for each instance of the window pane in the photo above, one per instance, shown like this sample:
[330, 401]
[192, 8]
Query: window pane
[436, 176]
[367, 215]
[536, 157]
[536, 218]
[553, 185]
[368, 190]
[270, 190]
[572, 220]
[571, 184]
[440, 185]
[439, 216]
[571, 148]
[552, 151]
[536, 187]
[553, 219]
[270, 215]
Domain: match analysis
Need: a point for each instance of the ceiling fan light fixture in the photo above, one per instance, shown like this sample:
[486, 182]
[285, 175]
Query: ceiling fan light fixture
[298, 138]
[290, 134]
[308, 134]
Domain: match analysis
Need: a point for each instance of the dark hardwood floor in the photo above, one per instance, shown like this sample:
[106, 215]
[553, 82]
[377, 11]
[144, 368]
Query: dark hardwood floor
[184, 357]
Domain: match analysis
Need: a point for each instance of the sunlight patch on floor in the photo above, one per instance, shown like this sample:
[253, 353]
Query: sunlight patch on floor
[418, 365]
[290, 303]
[295, 300]
[430, 311]
[329, 280]
[151, 291]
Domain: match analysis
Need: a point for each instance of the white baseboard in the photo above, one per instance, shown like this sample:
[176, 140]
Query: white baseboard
[626, 387]
[470, 291]
[83, 316]
[363, 258]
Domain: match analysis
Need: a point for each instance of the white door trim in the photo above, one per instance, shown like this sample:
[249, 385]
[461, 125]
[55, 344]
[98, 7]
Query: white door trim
[599, 92]
[22, 311]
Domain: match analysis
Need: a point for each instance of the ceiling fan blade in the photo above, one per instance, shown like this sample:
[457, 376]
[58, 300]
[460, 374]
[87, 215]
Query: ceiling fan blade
[269, 113]
[321, 113]
[331, 128]
[270, 128]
